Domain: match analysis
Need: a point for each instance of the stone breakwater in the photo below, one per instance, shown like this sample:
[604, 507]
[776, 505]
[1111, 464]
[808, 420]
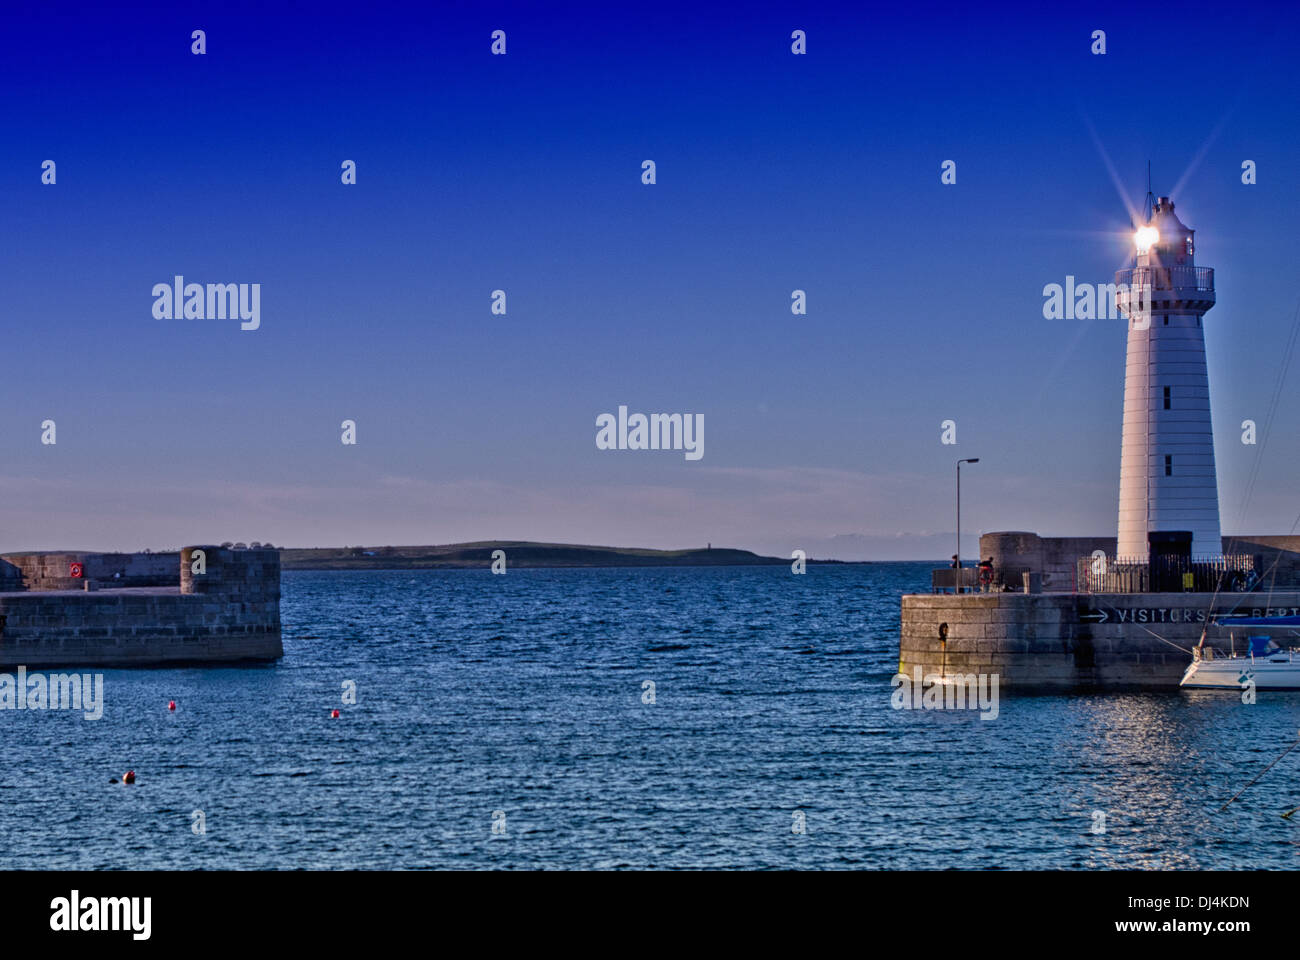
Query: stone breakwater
[1073, 641]
[203, 605]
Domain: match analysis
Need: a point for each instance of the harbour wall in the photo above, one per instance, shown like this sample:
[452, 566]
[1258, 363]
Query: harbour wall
[1061, 642]
[229, 612]
[51, 570]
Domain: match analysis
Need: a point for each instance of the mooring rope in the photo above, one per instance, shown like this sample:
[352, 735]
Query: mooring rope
[1213, 597]
[1261, 773]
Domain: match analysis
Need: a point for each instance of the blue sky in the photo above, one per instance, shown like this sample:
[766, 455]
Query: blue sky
[775, 172]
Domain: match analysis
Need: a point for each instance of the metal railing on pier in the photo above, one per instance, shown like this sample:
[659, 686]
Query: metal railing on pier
[1166, 574]
[965, 580]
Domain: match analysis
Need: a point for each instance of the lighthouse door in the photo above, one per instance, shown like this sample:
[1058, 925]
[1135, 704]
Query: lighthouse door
[1171, 558]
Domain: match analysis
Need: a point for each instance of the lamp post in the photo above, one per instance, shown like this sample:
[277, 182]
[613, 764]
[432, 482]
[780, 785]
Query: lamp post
[957, 578]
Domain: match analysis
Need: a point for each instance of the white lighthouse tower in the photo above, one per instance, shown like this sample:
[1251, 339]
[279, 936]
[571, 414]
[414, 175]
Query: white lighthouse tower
[1167, 484]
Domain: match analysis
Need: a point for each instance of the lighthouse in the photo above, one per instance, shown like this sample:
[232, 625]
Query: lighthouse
[1168, 490]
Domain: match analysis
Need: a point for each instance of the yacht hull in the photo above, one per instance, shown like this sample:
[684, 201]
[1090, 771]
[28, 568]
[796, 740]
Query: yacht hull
[1234, 672]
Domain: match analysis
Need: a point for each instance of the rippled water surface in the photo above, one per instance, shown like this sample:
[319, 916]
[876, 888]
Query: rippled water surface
[523, 694]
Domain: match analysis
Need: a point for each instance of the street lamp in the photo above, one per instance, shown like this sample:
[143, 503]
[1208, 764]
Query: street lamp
[957, 584]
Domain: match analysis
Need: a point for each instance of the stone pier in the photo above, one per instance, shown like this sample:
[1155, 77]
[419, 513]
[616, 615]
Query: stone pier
[1066, 641]
[71, 609]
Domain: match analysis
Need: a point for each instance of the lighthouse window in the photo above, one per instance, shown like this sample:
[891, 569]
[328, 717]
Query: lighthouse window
[1169, 465]
[1166, 398]
[1166, 319]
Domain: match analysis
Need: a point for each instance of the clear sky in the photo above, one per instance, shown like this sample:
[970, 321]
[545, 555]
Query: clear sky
[522, 172]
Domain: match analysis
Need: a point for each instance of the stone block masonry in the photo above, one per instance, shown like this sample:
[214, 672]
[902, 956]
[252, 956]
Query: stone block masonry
[228, 613]
[1072, 641]
[51, 570]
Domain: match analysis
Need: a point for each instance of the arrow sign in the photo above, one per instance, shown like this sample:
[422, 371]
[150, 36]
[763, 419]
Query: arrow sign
[1099, 617]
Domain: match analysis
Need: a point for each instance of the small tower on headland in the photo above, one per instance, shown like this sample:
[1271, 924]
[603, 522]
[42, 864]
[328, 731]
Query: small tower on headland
[1168, 490]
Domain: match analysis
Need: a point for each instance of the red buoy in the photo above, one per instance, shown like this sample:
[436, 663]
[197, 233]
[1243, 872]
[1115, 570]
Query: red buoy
[171, 704]
[334, 714]
[128, 777]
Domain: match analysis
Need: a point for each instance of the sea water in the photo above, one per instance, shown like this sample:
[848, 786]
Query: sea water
[715, 717]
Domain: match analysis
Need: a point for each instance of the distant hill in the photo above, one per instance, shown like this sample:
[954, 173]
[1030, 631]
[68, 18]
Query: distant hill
[519, 553]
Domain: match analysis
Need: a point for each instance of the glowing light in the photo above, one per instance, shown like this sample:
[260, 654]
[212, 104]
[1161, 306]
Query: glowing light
[1146, 238]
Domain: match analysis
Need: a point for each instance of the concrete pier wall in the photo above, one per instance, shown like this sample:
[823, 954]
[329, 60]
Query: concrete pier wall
[229, 613]
[1072, 641]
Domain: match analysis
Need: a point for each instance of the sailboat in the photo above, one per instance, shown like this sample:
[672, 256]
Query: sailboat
[1265, 661]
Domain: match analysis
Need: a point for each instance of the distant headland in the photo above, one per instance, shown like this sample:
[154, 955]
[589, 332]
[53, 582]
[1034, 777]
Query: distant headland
[519, 553]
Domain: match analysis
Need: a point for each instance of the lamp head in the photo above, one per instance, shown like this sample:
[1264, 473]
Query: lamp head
[1145, 238]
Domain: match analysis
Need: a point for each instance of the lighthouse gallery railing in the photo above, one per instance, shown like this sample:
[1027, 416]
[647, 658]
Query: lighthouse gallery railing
[1200, 279]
